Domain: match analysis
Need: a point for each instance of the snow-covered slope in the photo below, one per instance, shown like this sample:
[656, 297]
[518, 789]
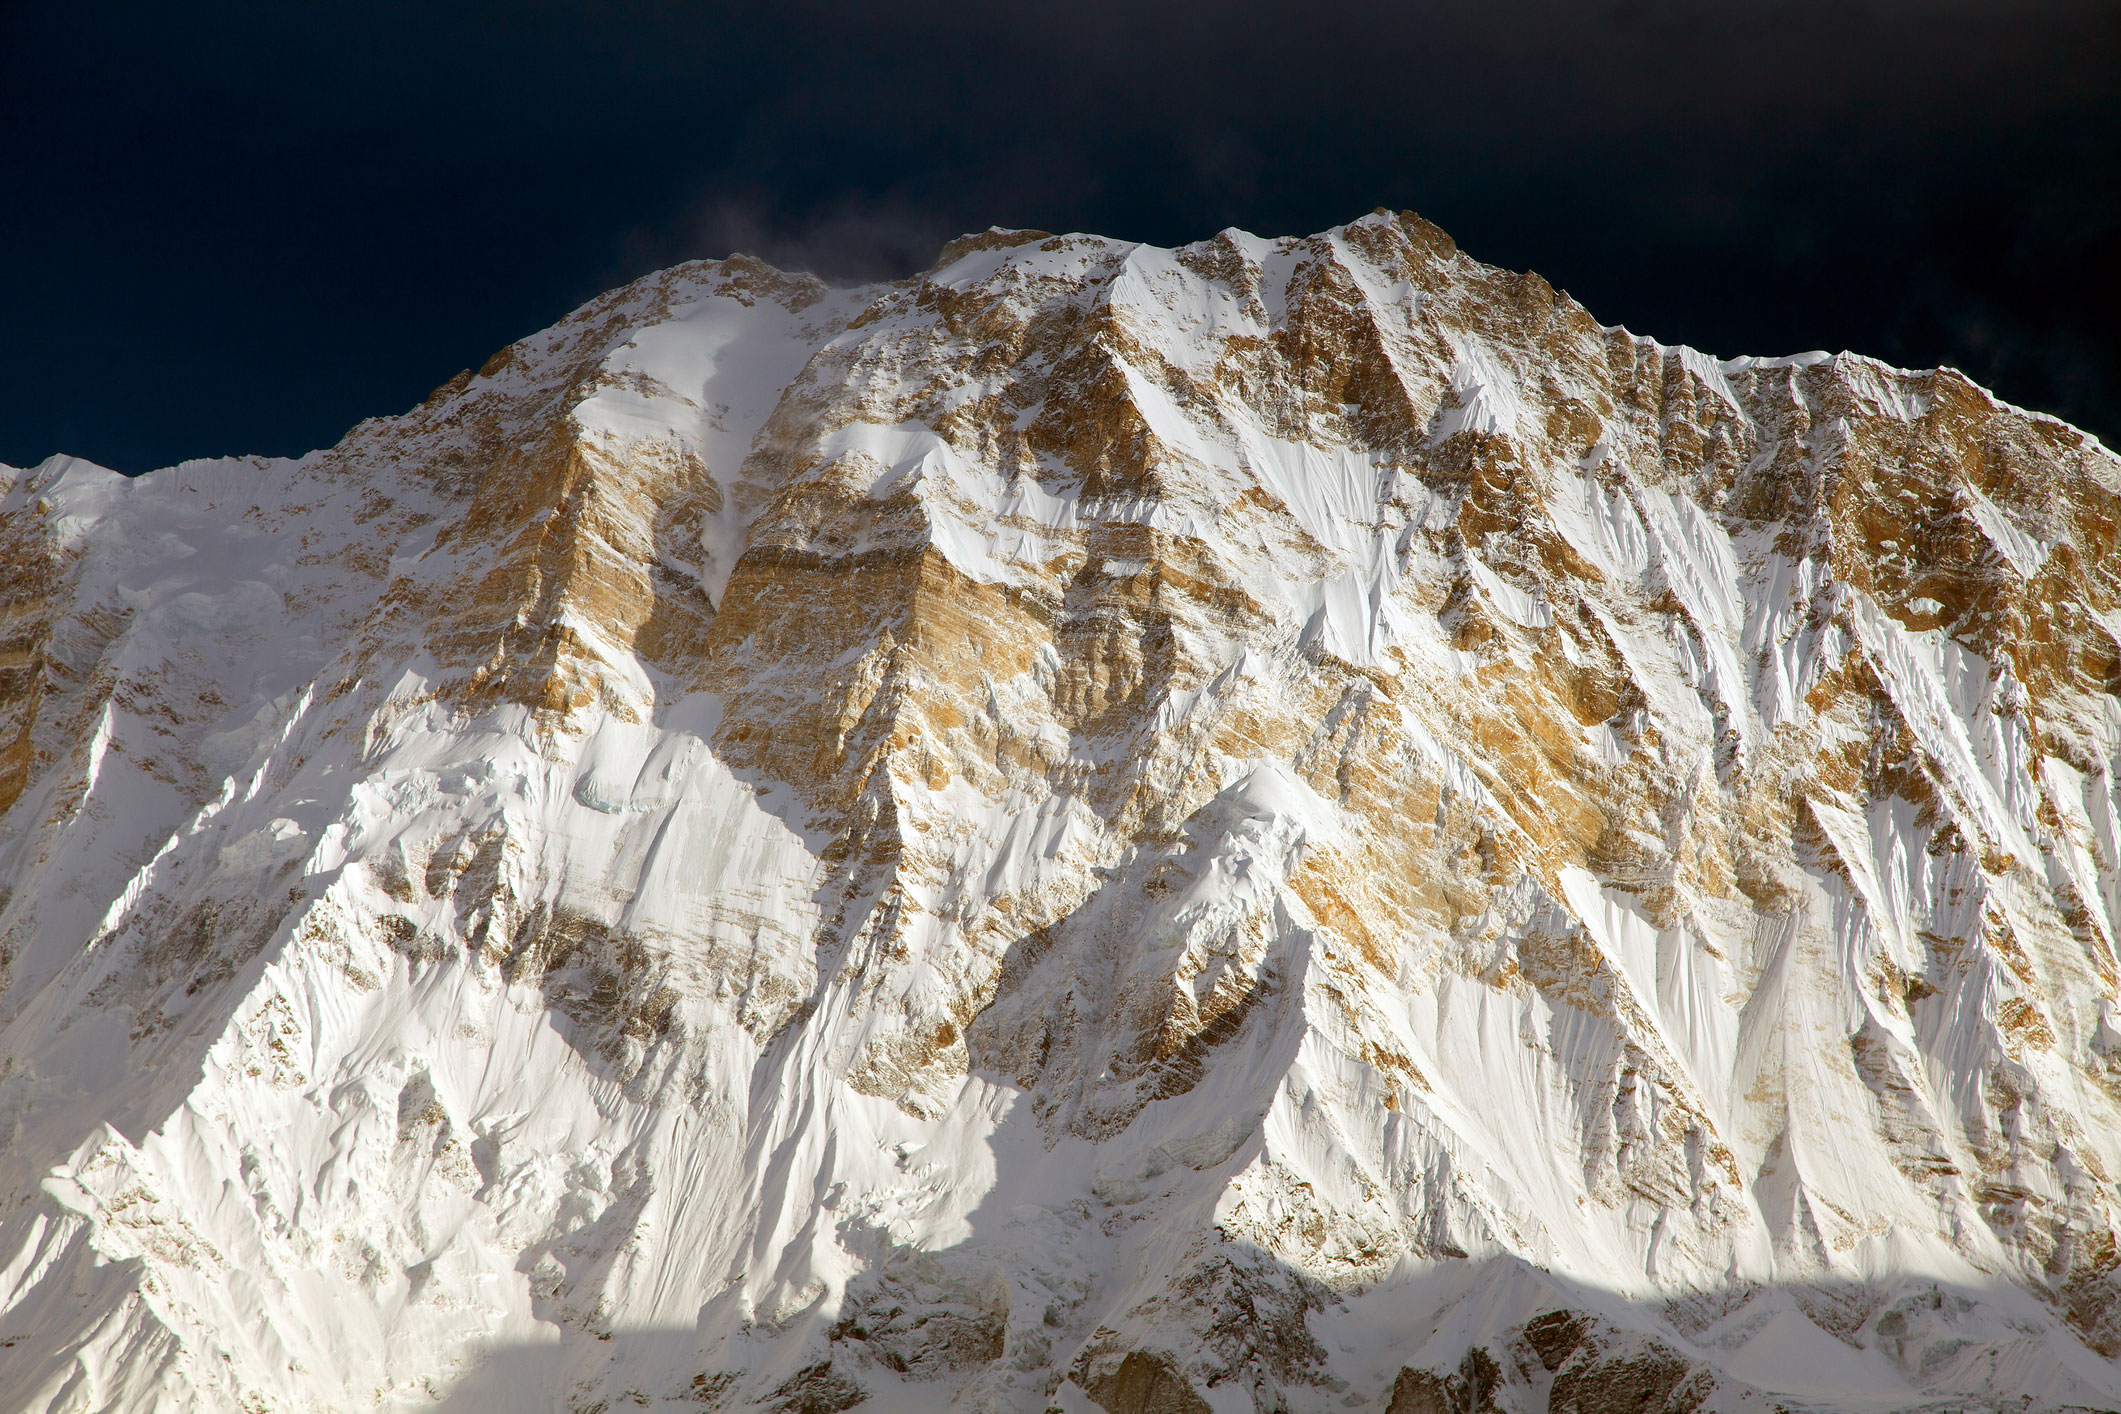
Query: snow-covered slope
[1284, 824]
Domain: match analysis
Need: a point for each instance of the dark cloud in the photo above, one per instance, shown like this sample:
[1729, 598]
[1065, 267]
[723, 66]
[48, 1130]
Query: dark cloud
[241, 226]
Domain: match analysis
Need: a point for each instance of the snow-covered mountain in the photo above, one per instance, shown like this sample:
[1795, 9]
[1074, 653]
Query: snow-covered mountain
[1278, 825]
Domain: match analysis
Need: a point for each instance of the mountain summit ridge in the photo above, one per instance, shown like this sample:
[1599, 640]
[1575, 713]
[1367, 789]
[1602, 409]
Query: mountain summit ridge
[1280, 824]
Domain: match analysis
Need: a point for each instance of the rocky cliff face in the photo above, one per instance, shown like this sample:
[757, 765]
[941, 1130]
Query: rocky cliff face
[1278, 825]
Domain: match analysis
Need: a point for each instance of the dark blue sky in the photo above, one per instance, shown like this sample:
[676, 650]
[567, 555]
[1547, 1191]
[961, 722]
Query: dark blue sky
[243, 227]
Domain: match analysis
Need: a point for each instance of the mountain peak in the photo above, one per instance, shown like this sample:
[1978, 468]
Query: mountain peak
[1279, 823]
